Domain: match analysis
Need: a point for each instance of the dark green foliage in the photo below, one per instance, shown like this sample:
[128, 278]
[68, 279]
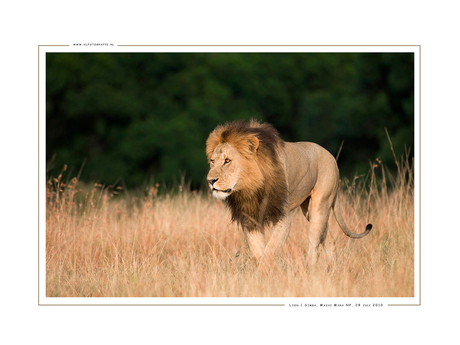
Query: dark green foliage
[141, 116]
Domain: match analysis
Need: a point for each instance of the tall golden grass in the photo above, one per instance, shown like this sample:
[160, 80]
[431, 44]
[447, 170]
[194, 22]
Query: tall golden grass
[182, 244]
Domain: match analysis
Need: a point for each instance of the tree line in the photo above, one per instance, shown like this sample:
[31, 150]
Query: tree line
[143, 117]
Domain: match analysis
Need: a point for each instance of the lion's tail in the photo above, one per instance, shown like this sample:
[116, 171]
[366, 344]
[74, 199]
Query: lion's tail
[341, 222]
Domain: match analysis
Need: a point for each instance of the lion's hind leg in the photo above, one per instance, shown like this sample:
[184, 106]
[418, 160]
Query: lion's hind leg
[318, 216]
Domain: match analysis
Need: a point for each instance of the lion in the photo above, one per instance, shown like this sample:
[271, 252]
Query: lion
[263, 178]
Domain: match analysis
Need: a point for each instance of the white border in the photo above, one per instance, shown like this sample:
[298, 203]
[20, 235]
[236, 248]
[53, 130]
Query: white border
[287, 301]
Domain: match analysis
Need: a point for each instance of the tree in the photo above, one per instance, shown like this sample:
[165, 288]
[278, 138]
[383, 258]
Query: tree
[138, 116]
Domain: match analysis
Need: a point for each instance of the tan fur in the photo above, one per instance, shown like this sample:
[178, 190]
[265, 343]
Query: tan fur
[263, 178]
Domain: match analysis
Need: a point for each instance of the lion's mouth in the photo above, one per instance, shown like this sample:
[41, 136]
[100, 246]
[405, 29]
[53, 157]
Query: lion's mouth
[223, 191]
[221, 194]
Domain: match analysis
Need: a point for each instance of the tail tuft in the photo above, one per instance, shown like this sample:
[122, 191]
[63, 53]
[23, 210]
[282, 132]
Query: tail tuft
[368, 227]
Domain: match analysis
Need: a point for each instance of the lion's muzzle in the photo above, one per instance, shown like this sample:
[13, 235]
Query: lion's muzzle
[211, 185]
[212, 181]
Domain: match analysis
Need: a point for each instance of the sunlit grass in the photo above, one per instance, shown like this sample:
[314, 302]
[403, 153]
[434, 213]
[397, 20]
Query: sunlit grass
[183, 244]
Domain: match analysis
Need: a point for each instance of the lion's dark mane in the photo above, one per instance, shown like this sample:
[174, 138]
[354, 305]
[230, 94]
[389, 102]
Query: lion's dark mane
[268, 203]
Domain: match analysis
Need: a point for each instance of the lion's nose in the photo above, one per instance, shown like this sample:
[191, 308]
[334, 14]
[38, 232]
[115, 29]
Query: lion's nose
[212, 181]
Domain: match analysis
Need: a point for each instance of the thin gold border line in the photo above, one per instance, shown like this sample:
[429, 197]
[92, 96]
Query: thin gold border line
[262, 45]
[38, 186]
[420, 173]
[120, 45]
[420, 187]
[158, 305]
[38, 118]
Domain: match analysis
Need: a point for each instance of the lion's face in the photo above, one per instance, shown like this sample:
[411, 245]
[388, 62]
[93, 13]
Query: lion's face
[225, 170]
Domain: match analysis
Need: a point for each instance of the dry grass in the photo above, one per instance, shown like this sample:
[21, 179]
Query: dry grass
[183, 245]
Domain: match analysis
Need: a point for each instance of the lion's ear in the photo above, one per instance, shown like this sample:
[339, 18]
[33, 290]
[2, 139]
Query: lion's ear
[253, 144]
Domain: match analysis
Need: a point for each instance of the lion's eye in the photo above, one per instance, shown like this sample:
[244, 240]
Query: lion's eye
[211, 161]
[227, 161]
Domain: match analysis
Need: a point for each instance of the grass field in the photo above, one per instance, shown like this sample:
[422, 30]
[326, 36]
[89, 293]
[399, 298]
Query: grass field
[183, 244]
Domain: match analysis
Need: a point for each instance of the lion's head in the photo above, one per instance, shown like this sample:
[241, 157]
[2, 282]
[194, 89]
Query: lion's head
[225, 172]
[245, 168]
[232, 159]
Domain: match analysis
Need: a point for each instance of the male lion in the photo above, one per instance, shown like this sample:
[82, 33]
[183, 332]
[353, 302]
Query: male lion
[263, 178]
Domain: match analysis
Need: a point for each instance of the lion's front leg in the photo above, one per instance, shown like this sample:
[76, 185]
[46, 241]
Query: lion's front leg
[256, 241]
[279, 235]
